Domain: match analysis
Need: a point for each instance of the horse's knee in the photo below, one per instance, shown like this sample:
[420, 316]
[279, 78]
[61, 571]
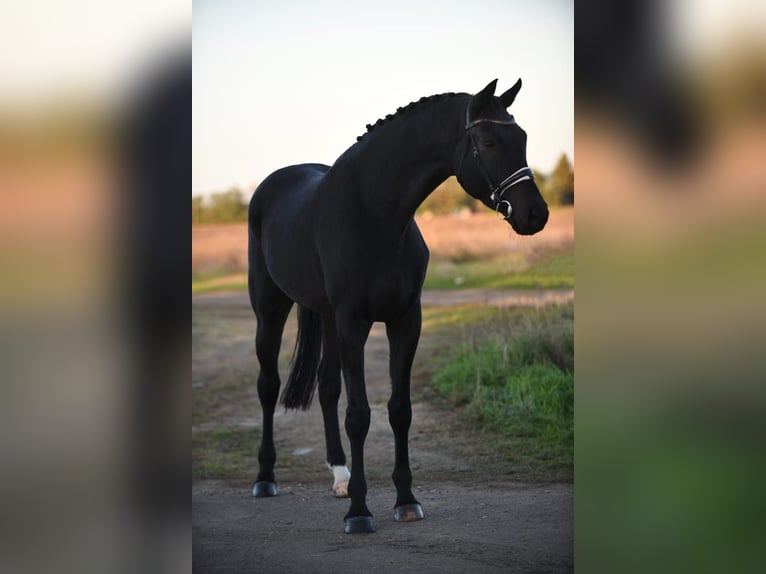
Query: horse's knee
[399, 414]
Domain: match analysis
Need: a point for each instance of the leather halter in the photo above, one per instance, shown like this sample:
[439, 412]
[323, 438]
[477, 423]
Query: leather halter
[496, 189]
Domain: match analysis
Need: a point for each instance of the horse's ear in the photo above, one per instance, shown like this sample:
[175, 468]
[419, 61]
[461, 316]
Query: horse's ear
[508, 97]
[480, 100]
[489, 89]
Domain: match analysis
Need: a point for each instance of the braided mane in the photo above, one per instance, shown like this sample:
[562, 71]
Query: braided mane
[406, 109]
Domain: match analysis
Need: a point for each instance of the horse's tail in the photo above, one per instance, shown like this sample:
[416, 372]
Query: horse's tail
[301, 383]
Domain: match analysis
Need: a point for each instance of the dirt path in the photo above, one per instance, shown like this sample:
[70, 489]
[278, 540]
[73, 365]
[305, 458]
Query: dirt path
[477, 517]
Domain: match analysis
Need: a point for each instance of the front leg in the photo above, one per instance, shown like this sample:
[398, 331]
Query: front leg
[353, 331]
[403, 335]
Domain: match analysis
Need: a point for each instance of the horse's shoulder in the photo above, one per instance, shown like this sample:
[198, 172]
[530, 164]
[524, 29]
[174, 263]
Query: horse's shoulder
[415, 239]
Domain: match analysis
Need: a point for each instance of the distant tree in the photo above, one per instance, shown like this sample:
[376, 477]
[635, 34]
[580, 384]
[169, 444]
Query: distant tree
[559, 189]
[227, 207]
[542, 180]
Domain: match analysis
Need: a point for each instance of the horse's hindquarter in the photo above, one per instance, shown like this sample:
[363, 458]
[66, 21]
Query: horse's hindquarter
[283, 212]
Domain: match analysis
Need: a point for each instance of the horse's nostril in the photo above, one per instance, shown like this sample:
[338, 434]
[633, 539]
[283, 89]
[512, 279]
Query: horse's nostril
[538, 216]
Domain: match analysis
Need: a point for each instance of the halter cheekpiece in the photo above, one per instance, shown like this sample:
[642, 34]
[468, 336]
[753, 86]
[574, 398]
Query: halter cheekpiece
[496, 189]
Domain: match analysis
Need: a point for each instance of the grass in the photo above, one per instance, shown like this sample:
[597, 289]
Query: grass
[446, 318]
[225, 453]
[514, 376]
[680, 476]
[556, 271]
[210, 282]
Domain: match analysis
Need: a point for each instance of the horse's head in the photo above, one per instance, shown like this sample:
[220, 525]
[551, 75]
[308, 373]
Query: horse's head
[491, 162]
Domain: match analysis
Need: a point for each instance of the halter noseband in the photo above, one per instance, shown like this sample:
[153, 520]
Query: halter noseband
[496, 189]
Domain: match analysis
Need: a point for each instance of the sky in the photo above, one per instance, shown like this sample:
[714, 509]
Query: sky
[95, 51]
[281, 83]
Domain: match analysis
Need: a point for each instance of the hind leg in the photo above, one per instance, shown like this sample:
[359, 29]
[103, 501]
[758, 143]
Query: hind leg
[271, 308]
[329, 393]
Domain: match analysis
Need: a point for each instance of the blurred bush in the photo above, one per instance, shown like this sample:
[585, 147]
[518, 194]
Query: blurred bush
[226, 207]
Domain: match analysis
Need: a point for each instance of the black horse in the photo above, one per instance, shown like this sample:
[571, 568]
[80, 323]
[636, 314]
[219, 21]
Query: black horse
[341, 242]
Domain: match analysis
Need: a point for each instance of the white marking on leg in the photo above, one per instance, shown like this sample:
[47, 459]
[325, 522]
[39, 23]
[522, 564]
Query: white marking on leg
[341, 475]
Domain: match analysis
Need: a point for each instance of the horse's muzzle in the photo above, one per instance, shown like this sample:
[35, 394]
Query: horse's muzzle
[534, 222]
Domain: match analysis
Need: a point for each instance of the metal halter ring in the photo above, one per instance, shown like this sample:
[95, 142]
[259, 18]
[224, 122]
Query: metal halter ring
[500, 213]
[522, 174]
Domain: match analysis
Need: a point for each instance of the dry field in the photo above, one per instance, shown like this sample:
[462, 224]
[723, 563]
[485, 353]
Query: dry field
[219, 247]
[223, 248]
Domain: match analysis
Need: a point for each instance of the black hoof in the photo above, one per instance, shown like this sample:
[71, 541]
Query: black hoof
[263, 489]
[360, 525]
[408, 513]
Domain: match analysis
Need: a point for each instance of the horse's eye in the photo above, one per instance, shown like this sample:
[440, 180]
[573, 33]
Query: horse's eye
[489, 143]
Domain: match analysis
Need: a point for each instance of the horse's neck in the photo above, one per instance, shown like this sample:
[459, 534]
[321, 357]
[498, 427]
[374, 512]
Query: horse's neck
[403, 162]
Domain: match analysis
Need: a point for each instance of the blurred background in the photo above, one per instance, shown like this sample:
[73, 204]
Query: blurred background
[670, 139]
[94, 142]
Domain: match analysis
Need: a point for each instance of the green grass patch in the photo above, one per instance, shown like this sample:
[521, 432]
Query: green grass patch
[441, 318]
[216, 397]
[225, 453]
[554, 272]
[514, 375]
[211, 282]
[723, 257]
[677, 458]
